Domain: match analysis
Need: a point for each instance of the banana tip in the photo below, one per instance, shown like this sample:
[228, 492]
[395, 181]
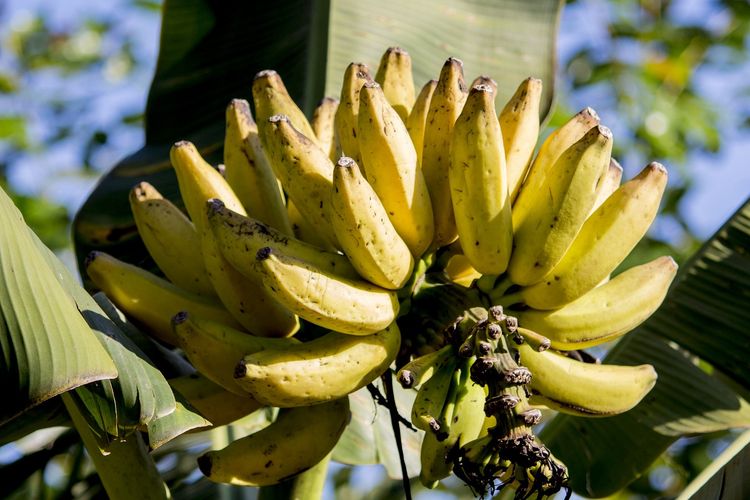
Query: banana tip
[204, 464]
[91, 257]
[278, 118]
[180, 317]
[266, 73]
[655, 166]
[240, 370]
[406, 379]
[263, 253]
[214, 205]
[346, 162]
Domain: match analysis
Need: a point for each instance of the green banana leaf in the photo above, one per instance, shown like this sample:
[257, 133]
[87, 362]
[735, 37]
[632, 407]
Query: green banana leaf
[47, 347]
[703, 313]
[210, 51]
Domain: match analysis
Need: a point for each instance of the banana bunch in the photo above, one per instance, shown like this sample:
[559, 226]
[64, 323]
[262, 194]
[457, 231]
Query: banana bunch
[290, 275]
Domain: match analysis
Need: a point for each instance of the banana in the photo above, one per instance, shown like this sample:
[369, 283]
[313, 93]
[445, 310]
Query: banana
[416, 123]
[605, 239]
[346, 119]
[431, 397]
[551, 149]
[304, 170]
[463, 419]
[170, 239]
[215, 349]
[215, 403]
[239, 238]
[271, 98]
[519, 121]
[419, 370]
[563, 203]
[303, 230]
[608, 184]
[394, 77]
[247, 170]
[485, 80]
[296, 441]
[322, 125]
[588, 389]
[445, 106]
[246, 300]
[607, 311]
[329, 367]
[390, 164]
[460, 271]
[479, 184]
[149, 299]
[364, 232]
[348, 306]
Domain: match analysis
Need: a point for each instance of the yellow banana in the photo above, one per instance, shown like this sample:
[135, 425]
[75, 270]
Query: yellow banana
[479, 184]
[563, 203]
[485, 80]
[445, 106]
[247, 170]
[347, 306]
[170, 238]
[246, 300]
[390, 164]
[607, 311]
[416, 123]
[419, 370]
[215, 349]
[346, 118]
[329, 367]
[364, 232]
[239, 238]
[296, 441]
[303, 230]
[605, 239]
[150, 300]
[304, 170]
[519, 121]
[551, 149]
[322, 125]
[588, 389]
[215, 403]
[608, 184]
[394, 77]
[271, 98]
[459, 270]
[431, 397]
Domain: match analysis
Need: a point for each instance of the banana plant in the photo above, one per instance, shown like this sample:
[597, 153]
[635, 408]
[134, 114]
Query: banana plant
[110, 388]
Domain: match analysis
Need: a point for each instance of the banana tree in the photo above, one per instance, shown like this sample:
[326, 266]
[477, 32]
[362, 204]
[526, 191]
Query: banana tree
[116, 386]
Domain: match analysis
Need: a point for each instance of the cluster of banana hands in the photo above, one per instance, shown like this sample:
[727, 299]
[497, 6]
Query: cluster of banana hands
[290, 232]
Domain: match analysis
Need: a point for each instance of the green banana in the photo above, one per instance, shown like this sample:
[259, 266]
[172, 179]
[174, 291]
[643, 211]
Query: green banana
[329, 367]
[348, 306]
[419, 370]
[479, 184]
[296, 441]
[215, 403]
[364, 232]
[394, 76]
[431, 397]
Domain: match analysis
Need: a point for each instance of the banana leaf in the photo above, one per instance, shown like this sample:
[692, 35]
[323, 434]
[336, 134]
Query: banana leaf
[703, 313]
[211, 49]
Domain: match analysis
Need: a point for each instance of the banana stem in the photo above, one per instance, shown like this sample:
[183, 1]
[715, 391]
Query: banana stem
[127, 471]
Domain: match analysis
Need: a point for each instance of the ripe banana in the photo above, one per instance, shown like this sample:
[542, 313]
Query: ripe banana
[419, 370]
[588, 389]
[445, 106]
[519, 121]
[239, 238]
[607, 184]
[607, 311]
[246, 300]
[431, 397]
[490, 82]
[304, 170]
[215, 403]
[297, 440]
[551, 149]
[271, 98]
[346, 119]
[348, 306]
[322, 125]
[416, 123]
[215, 349]
[329, 367]
[247, 170]
[605, 239]
[479, 184]
[390, 164]
[459, 270]
[148, 299]
[394, 76]
[562, 205]
[363, 230]
[170, 239]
